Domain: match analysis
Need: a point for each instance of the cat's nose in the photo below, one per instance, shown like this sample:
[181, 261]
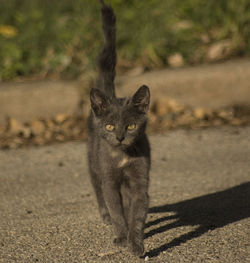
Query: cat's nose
[120, 138]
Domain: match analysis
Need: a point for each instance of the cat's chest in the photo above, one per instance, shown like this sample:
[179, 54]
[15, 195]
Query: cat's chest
[119, 158]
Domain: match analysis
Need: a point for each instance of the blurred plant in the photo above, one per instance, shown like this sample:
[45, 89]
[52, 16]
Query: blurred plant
[63, 37]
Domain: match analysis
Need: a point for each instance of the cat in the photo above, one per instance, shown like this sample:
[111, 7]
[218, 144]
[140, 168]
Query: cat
[118, 148]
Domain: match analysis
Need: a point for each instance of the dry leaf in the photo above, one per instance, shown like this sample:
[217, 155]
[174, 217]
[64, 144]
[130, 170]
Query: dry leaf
[176, 60]
[37, 127]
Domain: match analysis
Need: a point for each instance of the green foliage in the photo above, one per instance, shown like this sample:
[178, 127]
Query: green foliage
[63, 37]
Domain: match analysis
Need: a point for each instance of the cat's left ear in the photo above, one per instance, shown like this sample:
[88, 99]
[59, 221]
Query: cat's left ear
[99, 102]
[141, 99]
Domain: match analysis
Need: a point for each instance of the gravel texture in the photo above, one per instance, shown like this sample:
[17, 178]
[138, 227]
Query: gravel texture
[199, 209]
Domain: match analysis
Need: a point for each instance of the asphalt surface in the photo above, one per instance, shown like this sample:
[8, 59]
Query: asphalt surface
[199, 209]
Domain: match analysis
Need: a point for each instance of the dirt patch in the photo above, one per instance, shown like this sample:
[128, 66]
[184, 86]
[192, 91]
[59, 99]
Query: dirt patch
[165, 114]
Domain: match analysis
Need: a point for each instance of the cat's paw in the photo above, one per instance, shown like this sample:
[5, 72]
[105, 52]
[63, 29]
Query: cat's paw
[136, 246]
[120, 241]
[106, 219]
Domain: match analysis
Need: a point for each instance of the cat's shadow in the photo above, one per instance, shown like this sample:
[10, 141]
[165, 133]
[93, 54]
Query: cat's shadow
[207, 212]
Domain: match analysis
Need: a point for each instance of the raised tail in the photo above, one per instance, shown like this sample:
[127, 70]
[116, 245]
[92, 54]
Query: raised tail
[107, 58]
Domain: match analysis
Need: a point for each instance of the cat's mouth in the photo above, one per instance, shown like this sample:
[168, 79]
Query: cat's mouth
[121, 145]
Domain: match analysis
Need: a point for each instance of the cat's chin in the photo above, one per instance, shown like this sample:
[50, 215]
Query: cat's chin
[121, 146]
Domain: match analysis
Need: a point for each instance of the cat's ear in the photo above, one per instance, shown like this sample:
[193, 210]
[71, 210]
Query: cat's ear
[99, 102]
[141, 99]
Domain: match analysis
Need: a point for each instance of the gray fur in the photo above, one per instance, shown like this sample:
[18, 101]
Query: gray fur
[119, 160]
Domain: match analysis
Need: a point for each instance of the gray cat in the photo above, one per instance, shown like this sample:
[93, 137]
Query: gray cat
[118, 148]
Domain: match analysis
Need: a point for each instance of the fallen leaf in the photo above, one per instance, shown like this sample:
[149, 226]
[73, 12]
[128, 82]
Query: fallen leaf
[17, 128]
[8, 31]
[37, 127]
[220, 50]
[176, 60]
[60, 118]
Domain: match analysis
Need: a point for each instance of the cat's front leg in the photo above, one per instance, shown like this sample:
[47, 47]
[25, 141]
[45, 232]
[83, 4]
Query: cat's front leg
[103, 210]
[138, 215]
[113, 201]
[138, 212]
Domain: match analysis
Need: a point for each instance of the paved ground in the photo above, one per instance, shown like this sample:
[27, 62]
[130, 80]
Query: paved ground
[199, 212]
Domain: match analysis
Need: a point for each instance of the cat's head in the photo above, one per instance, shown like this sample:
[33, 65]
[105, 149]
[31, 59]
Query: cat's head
[120, 121]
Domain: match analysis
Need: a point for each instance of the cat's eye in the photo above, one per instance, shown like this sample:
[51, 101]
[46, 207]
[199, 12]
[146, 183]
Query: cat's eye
[131, 127]
[110, 127]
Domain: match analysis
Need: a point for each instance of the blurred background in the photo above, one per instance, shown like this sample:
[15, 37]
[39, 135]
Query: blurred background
[61, 38]
[193, 54]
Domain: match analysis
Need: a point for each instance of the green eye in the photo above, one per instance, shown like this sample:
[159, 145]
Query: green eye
[131, 127]
[110, 127]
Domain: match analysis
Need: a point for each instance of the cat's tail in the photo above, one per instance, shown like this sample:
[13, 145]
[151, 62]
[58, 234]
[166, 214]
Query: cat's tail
[107, 58]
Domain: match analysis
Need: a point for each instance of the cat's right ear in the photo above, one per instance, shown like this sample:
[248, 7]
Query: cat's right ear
[141, 99]
[99, 102]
